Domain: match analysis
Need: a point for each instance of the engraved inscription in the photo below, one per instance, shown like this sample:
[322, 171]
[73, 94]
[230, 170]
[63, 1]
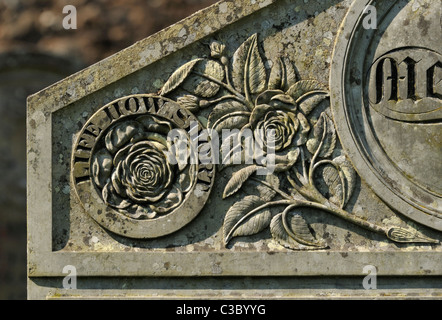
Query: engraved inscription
[387, 105]
[406, 84]
[123, 155]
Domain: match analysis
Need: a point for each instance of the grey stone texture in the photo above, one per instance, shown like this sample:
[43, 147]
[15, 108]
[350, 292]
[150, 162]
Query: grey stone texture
[346, 192]
[36, 52]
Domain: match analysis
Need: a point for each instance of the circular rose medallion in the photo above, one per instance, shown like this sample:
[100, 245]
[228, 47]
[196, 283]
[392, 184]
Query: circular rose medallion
[386, 98]
[131, 176]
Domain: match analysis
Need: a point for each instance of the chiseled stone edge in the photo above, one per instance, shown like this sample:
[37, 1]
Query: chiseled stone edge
[144, 52]
[280, 288]
[225, 263]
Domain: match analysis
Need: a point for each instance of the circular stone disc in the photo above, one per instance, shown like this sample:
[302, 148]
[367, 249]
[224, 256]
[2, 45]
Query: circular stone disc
[91, 138]
[386, 101]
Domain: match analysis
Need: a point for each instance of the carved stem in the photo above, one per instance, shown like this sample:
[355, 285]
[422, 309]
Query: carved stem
[226, 98]
[318, 151]
[292, 182]
[224, 85]
[304, 169]
[347, 216]
[277, 190]
[319, 202]
[227, 71]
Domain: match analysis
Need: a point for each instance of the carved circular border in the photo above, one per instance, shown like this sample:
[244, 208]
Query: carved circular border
[110, 218]
[351, 48]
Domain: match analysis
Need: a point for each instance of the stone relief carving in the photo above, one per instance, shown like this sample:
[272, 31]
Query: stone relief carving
[133, 172]
[120, 151]
[122, 174]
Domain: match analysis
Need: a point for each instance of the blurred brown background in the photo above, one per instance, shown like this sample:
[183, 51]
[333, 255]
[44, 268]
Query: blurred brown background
[36, 51]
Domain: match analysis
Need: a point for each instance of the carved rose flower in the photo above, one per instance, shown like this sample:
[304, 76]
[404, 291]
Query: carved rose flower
[276, 121]
[142, 172]
[134, 171]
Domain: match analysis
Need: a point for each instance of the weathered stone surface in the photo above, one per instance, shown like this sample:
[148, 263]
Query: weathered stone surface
[398, 131]
[342, 193]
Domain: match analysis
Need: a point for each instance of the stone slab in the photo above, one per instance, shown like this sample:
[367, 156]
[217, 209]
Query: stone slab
[335, 203]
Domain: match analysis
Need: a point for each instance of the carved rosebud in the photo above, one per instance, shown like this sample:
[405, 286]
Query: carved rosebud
[204, 104]
[217, 49]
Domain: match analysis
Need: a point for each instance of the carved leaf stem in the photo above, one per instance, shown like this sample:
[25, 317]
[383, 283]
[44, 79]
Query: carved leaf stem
[396, 234]
[224, 85]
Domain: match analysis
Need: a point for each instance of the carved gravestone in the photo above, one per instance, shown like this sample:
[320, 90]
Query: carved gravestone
[261, 140]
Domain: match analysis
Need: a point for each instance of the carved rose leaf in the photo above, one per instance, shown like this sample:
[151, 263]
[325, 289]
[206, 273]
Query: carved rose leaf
[249, 73]
[178, 77]
[254, 225]
[235, 120]
[238, 179]
[332, 178]
[280, 235]
[349, 174]
[302, 87]
[310, 101]
[237, 148]
[295, 233]
[265, 193]
[283, 75]
[323, 137]
[189, 102]
[239, 222]
[199, 84]
[224, 109]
